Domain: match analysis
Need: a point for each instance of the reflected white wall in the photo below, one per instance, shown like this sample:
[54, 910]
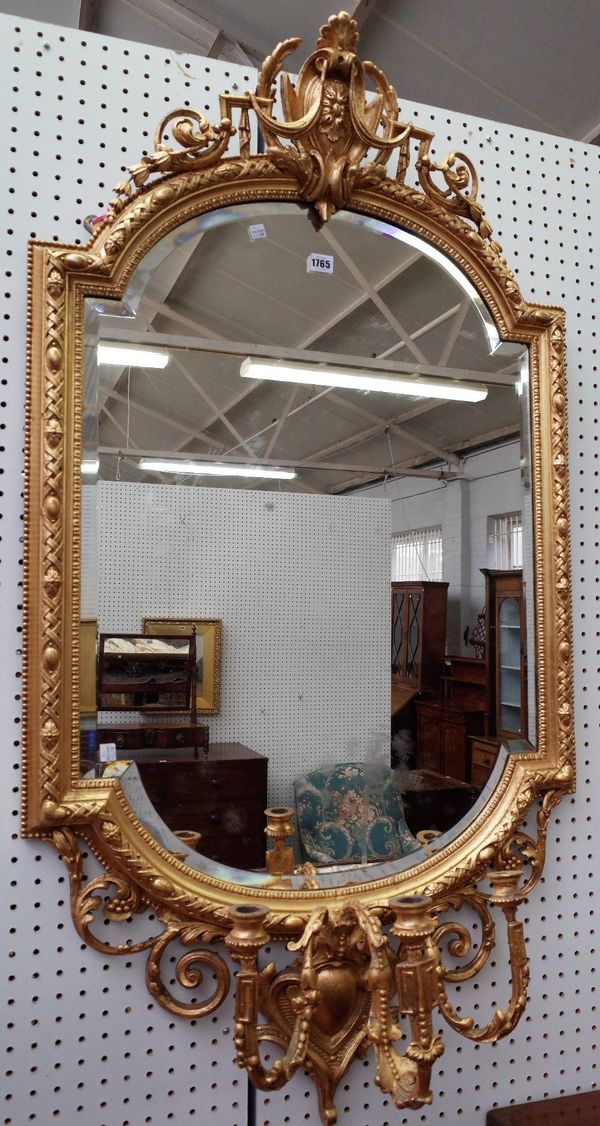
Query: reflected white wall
[302, 585]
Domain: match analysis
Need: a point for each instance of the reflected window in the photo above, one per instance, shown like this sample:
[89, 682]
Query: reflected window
[505, 538]
[417, 556]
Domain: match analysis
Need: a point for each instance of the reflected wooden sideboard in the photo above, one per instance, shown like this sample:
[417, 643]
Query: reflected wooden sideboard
[478, 702]
[443, 732]
[569, 1110]
[434, 801]
[222, 795]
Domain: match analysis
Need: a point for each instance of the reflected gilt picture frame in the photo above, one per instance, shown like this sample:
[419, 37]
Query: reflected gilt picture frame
[87, 677]
[209, 633]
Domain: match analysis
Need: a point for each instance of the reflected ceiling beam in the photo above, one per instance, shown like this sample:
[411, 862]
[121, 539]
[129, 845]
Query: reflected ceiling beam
[156, 290]
[337, 318]
[232, 402]
[282, 420]
[210, 403]
[206, 398]
[416, 411]
[198, 327]
[490, 438]
[356, 439]
[201, 34]
[503, 377]
[513, 430]
[455, 328]
[270, 425]
[428, 447]
[165, 310]
[380, 424]
[372, 292]
[122, 334]
[166, 421]
[128, 439]
[428, 327]
[407, 435]
[229, 405]
[115, 422]
[361, 299]
[166, 275]
[89, 14]
[257, 291]
[372, 431]
[281, 463]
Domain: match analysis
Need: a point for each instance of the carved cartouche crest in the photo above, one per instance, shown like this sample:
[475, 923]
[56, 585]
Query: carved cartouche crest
[327, 115]
[330, 124]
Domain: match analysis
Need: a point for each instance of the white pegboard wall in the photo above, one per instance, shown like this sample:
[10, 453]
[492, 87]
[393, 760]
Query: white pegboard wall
[76, 110]
[82, 1040]
[301, 584]
[537, 191]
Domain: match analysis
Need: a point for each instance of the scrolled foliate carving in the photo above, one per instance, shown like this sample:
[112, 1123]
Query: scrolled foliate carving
[201, 145]
[118, 899]
[188, 971]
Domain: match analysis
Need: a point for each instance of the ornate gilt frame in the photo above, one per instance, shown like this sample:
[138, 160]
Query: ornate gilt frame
[330, 150]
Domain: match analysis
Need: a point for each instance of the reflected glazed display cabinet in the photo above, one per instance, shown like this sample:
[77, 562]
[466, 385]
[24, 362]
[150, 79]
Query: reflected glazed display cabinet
[419, 612]
[506, 654]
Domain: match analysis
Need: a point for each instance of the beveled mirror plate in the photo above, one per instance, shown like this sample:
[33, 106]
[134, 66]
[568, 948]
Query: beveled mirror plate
[318, 156]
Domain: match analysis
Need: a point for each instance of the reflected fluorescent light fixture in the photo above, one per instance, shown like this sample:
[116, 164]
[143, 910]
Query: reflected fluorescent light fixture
[90, 467]
[131, 357]
[352, 380]
[208, 469]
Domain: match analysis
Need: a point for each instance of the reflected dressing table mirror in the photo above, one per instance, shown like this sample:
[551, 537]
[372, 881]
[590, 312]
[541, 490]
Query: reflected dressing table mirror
[273, 367]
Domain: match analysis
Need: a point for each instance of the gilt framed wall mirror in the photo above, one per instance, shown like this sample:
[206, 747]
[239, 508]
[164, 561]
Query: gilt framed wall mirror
[290, 389]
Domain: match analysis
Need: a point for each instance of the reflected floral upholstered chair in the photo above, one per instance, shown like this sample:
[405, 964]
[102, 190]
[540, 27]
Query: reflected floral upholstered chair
[351, 813]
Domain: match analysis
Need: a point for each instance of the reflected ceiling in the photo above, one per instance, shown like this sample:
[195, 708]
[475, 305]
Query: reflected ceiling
[224, 288]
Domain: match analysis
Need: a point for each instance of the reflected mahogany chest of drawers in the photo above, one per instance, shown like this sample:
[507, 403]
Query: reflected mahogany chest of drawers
[164, 736]
[222, 795]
